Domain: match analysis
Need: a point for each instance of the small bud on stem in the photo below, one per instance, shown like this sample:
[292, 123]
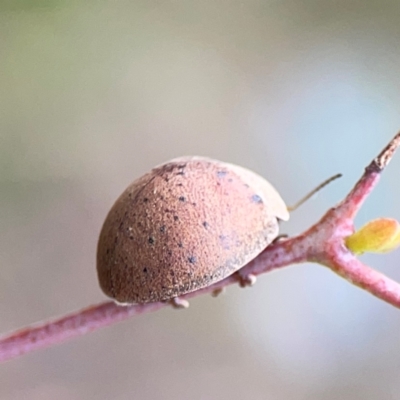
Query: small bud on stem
[378, 236]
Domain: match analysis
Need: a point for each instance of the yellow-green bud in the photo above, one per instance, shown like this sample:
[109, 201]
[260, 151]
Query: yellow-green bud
[378, 236]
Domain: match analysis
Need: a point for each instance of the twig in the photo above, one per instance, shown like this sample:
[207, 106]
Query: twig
[323, 243]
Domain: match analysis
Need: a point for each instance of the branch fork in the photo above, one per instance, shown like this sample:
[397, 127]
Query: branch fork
[324, 243]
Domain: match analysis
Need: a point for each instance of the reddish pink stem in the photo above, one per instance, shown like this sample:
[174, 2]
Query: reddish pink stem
[322, 243]
[104, 314]
[357, 273]
[68, 327]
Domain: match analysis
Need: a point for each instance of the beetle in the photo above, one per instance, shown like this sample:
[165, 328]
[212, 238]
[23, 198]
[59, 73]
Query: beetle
[183, 226]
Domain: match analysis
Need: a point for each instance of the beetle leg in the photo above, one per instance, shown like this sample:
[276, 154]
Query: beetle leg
[248, 280]
[178, 303]
[280, 237]
[217, 292]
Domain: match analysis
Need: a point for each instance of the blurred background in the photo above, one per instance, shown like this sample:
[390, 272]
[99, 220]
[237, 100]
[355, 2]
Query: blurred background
[95, 93]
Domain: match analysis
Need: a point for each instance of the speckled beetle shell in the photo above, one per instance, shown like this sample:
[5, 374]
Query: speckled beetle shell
[184, 225]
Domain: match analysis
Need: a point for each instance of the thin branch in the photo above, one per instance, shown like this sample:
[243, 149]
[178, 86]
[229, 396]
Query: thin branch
[359, 274]
[354, 200]
[92, 318]
[323, 243]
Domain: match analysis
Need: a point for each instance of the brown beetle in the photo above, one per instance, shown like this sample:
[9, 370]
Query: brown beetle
[185, 225]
